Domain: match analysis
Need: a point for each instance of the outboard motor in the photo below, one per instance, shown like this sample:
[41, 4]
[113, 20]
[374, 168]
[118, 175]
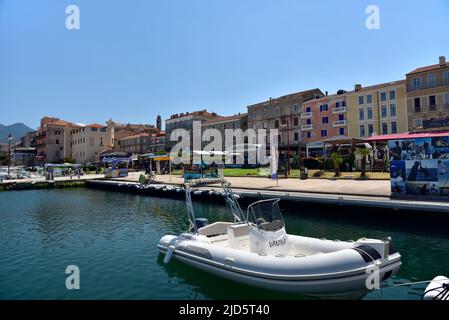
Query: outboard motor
[201, 222]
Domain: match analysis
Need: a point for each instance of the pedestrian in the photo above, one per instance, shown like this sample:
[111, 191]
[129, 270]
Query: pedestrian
[79, 173]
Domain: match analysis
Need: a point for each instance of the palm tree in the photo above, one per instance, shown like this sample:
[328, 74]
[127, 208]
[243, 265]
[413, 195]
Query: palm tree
[337, 161]
[363, 153]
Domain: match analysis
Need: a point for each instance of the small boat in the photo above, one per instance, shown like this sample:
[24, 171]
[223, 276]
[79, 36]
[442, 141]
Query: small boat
[438, 289]
[255, 249]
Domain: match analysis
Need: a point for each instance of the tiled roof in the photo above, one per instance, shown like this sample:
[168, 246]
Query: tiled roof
[228, 118]
[288, 96]
[95, 125]
[428, 68]
[378, 86]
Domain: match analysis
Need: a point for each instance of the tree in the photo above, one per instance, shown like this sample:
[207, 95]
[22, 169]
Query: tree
[337, 160]
[363, 153]
[68, 160]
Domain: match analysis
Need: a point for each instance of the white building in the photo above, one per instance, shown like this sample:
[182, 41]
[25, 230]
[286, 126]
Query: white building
[88, 141]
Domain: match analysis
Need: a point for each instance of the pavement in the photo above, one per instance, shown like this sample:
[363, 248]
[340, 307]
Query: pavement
[377, 188]
[74, 178]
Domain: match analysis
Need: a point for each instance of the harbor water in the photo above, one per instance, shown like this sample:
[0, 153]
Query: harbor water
[112, 238]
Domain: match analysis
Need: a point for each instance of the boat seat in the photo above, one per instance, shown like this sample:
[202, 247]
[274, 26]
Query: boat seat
[238, 236]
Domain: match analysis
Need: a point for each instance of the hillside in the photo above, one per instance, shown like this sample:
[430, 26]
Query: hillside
[17, 131]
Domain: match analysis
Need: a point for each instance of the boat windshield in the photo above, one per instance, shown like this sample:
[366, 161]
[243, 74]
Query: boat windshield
[266, 215]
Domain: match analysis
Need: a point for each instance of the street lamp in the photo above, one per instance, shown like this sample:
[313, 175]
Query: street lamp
[9, 154]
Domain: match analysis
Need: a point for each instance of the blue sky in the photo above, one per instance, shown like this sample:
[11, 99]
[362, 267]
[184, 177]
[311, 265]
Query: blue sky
[134, 59]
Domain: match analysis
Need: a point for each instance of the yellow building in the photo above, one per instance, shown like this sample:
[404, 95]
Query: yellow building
[377, 110]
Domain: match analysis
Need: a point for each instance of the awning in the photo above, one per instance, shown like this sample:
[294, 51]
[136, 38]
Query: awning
[407, 135]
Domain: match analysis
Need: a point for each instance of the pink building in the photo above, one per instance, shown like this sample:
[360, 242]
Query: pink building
[324, 118]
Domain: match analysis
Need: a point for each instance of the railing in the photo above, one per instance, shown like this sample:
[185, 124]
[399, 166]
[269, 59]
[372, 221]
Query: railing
[339, 123]
[339, 110]
[305, 115]
[305, 127]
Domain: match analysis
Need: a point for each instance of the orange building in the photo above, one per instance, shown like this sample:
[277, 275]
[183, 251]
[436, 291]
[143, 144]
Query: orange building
[324, 118]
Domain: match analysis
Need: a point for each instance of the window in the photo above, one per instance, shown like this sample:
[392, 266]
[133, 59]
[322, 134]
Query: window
[383, 96]
[93, 129]
[308, 109]
[416, 83]
[277, 110]
[325, 120]
[276, 124]
[324, 133]
[446, 78]
[103, 129]
[394, 127]
[384, 128]
[264, 125]
[417, 104]
[295, 121]
[431, 80]
[309, 121]
[432, 103]
[253, 115]
[341, 117]
[323, 107]
[57, 141]
[446, 100]
[296, 136]
[383, 111]
[392, 94]
[369, 99]
[361, 114]
[254, 126]
[418, 123]
[309, 135]
[295, 107]
[369, 112]
[91, 141]
[393, 110]
[370, 129]
[362, 130]
[361, 100]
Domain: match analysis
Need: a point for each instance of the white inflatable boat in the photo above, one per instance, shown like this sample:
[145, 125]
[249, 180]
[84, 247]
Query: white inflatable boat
[256, 250]
[438, 289]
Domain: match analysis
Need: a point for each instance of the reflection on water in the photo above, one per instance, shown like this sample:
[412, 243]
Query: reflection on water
[112, 238]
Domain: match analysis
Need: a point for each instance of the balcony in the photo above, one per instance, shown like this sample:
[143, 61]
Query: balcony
[306, 115]
[339, 123]
[339, 110]
[306, 127]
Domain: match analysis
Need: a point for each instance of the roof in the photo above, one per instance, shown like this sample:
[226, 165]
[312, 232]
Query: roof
[428, 68]
[135, 136]
[328, 97]
[289, 96]
[225, 119]
[407, 135]
[194, 113]
[95, 125]
[379, 86]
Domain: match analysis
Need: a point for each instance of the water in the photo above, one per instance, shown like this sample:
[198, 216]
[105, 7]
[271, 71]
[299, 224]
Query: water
[112, 238]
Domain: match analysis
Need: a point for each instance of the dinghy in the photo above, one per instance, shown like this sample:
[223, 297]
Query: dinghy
[438, 289]
[256, 250]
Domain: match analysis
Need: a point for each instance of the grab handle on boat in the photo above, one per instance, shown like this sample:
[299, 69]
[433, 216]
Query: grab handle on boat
[169, 254]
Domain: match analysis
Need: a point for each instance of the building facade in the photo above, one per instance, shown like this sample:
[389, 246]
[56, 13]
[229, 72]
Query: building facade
[136, 144]
[377, 110]
[87, 142]
[53, 140]
[221, 124]
[324, 118]
[284, 114]
[428, 97]
[185, 121]
[23, 156]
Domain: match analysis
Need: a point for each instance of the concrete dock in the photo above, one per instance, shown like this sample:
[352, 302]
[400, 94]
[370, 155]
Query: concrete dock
[290, 198]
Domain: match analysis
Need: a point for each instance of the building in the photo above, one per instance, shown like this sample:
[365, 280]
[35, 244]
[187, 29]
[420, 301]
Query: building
[125, 130]
[378, 109]
[159, 123]
[428, 97]
[136, 144]
[158, 142]
[23, 156]
[185, 121]
[53, 140]
[324, 118]
[29, 139]
[238, 121]
[284, 114]
[87, 142]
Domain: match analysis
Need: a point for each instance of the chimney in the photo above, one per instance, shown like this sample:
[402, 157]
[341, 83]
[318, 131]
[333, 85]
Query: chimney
[327, 93]
[442, 61]
[358, 87]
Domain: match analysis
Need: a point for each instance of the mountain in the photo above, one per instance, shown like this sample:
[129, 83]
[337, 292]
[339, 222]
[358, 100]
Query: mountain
[17, 131]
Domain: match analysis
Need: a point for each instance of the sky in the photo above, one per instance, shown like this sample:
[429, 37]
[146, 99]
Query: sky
[132, 60]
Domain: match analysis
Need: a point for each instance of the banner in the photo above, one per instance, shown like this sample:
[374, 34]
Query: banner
[274, 163]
